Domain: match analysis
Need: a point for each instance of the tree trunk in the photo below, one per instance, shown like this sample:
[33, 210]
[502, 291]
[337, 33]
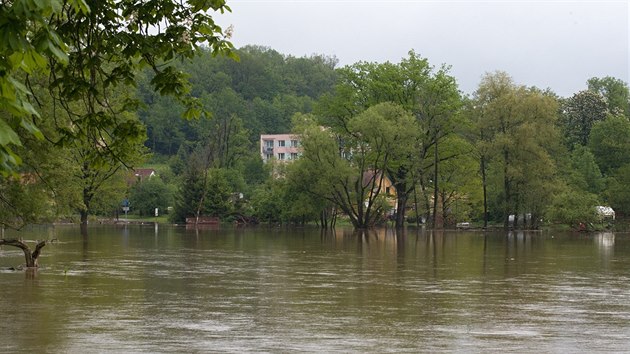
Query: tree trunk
[415, 205]
[435, 186]
[401, 207]
[507, 207]
[84, 217]
[88, 194]
[30, 256]
[485, 192]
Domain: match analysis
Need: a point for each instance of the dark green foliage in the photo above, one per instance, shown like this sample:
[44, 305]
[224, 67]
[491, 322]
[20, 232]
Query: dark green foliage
[254, 170]
[588, 177]
[164, 130]
[618, 190]
[218, 195]
[264, 89]
[203, 192]
[573, 207]
[190, 194]
[610, 143]
[22, 202]
[267, 201]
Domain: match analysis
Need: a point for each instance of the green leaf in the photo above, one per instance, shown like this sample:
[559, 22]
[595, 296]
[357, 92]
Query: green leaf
[32, 129]
[8, 135]
[37, 59]
[192, 113]
[19, 86]
[29, 109]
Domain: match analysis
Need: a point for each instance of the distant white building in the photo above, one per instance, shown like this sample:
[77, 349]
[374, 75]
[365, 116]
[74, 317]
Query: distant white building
[605, 212]
[281, 147]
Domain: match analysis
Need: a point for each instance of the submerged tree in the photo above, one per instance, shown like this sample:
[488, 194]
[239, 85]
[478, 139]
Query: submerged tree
[31, 256]
[204, 191]
[520, 136]
[349, 169]
[430, 95]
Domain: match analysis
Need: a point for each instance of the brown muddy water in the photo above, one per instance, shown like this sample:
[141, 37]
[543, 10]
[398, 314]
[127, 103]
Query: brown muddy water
[157, 289]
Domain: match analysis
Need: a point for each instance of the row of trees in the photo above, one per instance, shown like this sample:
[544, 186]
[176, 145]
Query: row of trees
[507, 150]
[90, 89]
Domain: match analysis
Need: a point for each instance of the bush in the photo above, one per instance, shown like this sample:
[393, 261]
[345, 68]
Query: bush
[147, 195]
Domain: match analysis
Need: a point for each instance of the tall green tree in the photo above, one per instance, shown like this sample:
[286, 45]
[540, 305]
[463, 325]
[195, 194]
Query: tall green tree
[90, 149]
[439, 104]
[223, 135]
[193, 190]
[579, 113]
[588, 176]
[23, 201]
[617, 192]
[480, 138]
[349, 169]
[90, 47]
[459, 192]
[520, 133]
[430, 95]
[615, 91]
[267, 200]
[610, 143]
[204, 191]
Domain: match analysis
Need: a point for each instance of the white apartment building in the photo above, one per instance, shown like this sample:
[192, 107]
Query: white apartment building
[281, 147]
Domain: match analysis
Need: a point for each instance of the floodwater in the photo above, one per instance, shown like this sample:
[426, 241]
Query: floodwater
[156, 289]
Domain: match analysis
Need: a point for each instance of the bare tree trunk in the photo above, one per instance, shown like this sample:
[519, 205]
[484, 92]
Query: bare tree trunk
[30, 256]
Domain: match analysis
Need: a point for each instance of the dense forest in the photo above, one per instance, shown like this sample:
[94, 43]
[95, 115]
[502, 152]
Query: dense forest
[507, 154]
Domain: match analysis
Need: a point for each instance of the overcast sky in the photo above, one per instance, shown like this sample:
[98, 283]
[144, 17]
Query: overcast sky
[555, 44]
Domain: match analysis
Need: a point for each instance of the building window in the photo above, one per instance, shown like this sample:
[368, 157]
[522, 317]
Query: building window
[281, 156]
[281, 143]
[268, 156]
[294, 156]
[294, 143]
[269, 143]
